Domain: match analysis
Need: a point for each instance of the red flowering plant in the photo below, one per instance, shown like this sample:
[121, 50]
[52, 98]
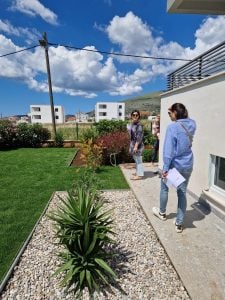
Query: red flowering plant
[115, 147]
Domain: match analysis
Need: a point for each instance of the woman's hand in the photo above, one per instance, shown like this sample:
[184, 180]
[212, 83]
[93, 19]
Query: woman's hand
[135, 150]
[164, 175]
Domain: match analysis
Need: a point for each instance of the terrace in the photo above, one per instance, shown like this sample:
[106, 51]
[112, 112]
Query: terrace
[203, 66]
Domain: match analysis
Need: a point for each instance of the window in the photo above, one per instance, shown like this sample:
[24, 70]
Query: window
[56, 109]
[120, 106]
[102, 106]
[36, 117]
[57, 117]
[36, 109]
[217, 175]
[102, 114]
[219, 178]
[120, 114]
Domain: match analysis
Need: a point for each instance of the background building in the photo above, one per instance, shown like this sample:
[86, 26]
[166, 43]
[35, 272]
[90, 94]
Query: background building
[81, 117]
[109, 111]
[42, 114]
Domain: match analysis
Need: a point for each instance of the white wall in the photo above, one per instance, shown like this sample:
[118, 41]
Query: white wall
[112, 110]
[42, 114]
[81, 117]
[205, 101]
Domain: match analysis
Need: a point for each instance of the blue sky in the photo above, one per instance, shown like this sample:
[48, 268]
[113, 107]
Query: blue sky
[81, 78]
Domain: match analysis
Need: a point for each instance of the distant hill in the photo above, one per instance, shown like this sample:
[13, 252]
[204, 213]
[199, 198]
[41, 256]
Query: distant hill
[149, 102]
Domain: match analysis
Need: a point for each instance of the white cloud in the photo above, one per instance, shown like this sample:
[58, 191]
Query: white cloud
[210, 33]
[132, 35]
[31, 35]
[35, 8]
[14, 66]
[85, 73]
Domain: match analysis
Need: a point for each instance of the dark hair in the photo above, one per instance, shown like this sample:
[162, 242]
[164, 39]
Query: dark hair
[180, 109]
[136, 111]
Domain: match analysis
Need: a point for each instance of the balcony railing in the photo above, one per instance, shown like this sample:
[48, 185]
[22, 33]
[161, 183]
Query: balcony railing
[205, 65]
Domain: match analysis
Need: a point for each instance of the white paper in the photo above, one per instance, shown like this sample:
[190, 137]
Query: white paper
[174, 178]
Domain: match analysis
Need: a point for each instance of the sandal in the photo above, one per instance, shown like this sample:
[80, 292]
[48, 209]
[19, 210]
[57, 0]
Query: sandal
[137, 178]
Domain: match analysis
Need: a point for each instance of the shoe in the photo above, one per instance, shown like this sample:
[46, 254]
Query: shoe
[178, 228]
[158, 214]
[137, 178]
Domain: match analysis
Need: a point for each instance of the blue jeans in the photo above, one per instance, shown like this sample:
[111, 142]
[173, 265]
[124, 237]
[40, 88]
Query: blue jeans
[139, 165]
[181, 194]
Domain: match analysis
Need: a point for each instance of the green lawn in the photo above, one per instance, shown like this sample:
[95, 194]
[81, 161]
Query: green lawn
[28, 177]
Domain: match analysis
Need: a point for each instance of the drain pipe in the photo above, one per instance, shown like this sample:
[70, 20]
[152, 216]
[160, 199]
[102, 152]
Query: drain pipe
[16, 260]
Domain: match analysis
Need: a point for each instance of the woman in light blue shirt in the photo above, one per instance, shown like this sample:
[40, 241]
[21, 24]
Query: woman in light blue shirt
[177, 153]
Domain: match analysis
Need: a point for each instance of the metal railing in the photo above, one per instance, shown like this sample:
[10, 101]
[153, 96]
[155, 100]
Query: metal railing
[210, 62]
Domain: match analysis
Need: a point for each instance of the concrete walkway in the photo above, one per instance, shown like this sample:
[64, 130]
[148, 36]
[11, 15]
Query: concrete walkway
[198, 253]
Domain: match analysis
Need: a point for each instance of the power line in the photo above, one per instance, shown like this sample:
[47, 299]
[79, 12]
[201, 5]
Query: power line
[114, 53]
[99, 51]
[120, 54]
[15, 52]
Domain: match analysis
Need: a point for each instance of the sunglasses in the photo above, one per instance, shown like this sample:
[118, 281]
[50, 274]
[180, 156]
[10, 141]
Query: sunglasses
[135, 115]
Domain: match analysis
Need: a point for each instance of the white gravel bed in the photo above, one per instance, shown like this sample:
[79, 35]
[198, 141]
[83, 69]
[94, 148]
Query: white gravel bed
[149, 273]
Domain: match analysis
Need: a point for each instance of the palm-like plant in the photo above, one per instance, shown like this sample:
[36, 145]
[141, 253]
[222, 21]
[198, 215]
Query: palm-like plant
[84, 229]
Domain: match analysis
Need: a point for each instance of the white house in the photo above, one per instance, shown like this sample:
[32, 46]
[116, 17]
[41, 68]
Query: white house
[42, 114]
[202, 91]
[109, 111]
[203, 95]
[81, 117]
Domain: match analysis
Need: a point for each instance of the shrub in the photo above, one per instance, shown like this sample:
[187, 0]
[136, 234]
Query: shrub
[59, 139]
[83, 229]
[92, 154]
[147, 155]
[8, 134]
[116, 142]
[109, 126]
[148, 137]
[31, 135]
[88, 134]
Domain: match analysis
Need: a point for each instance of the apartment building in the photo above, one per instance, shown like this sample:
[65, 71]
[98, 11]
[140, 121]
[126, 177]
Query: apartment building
[109, 111]
[42, 114]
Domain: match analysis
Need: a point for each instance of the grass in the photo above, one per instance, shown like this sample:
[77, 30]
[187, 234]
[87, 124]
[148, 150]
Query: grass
[28, 177]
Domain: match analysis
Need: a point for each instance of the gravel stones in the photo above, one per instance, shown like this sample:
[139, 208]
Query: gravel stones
[143, 268]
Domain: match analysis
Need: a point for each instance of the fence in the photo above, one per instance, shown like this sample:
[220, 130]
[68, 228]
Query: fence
[210, 62]
[71, 131]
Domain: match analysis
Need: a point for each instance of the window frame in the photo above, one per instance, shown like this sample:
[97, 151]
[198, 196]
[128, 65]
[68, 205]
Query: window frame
[213, 174]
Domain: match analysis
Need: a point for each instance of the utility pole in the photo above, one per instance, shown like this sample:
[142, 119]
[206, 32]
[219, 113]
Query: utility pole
[44, 43]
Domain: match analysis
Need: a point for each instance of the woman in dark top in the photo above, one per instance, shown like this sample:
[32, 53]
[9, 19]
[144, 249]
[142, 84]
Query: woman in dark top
[136, 144]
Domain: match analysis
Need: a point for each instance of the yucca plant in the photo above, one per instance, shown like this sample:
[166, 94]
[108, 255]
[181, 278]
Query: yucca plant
[84, 229]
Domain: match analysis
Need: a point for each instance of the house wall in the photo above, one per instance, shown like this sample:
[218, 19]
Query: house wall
[81, 117]
[206, 105]
[42, 114]
[109, 111]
